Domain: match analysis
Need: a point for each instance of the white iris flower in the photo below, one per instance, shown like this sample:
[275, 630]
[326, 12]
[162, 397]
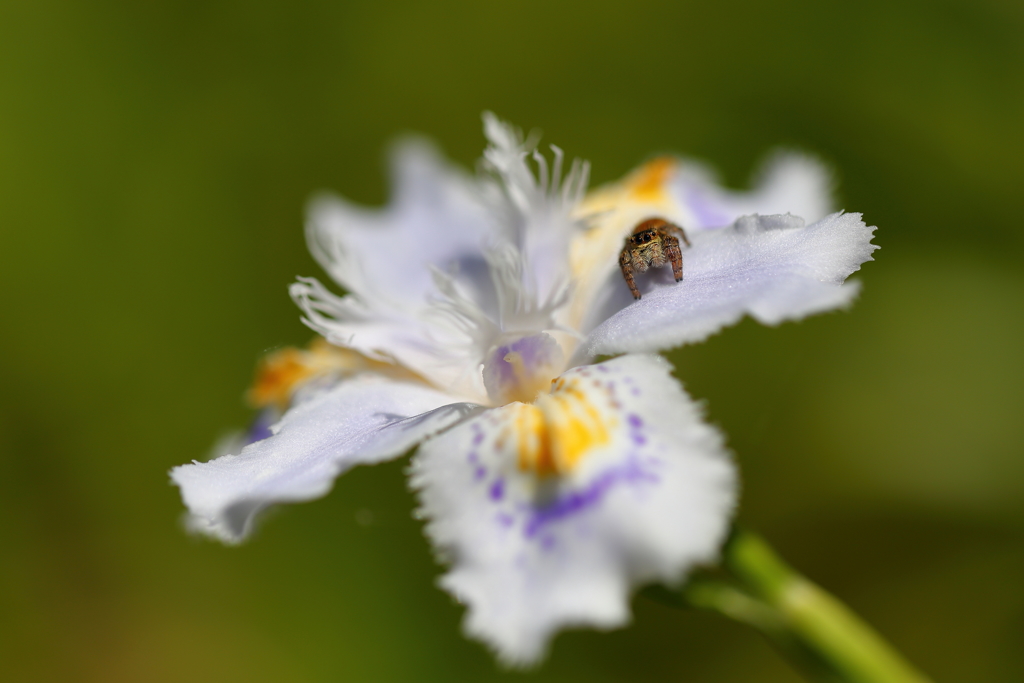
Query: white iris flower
[551, 487]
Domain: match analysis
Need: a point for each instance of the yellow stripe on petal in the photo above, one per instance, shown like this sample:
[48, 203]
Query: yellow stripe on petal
[644, 189]
[533, 439]
[276, 374]
[611, 212]
[576, 427]
[647, 184]
[555, 434]
[281, 373]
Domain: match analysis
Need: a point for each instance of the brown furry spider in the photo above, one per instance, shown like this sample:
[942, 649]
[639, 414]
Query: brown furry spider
[653, 243]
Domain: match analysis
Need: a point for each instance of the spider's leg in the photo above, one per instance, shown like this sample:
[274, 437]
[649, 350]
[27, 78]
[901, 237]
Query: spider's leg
[626, 263]
[675, 256]
[678, 232]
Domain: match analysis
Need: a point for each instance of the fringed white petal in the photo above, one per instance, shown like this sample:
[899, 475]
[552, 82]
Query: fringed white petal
[536, 212]
[452, 267]
[388, 258]
[440, 353]
[384, 256]
[686, 193]
[549, 514]
[773, 268]
[361, 421]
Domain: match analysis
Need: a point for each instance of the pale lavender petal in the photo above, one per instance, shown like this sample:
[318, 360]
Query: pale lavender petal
[773, 268]
[384, 256]
[789, 182]
[688, 194]
[389, 258]
[361, 421]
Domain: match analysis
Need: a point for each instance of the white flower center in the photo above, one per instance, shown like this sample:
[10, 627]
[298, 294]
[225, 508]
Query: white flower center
[520, 370]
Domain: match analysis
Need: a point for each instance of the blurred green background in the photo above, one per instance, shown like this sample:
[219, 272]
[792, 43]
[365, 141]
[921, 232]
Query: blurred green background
[154, 162]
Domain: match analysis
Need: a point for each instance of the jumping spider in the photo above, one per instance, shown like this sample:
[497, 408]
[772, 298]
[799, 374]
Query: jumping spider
[653, 243]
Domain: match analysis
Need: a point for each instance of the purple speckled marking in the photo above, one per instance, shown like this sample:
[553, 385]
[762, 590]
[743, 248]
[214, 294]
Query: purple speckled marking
[547, 543]
[635, 423]
[635, 391]
[473, 457]
[602, 368]
[504, 519]
[497, 490]
[479, 437]
[576, 502]
[479, 473]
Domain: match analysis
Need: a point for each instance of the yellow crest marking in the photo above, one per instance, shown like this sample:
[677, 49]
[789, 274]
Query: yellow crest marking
[647, 183]
[559, 430]
[277, 375]
[280, 373]
[534, 441]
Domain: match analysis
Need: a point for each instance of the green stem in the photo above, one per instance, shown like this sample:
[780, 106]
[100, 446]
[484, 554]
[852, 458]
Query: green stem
[819, 634]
